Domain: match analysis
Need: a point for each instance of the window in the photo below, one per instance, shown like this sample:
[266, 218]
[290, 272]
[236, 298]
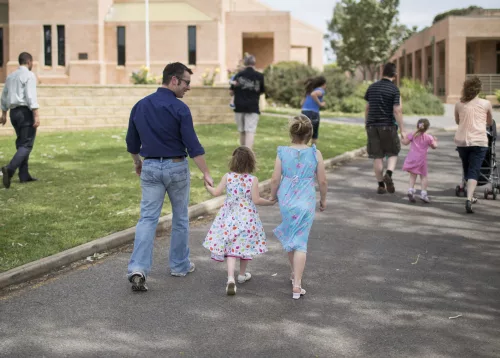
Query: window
[498, 57]
[1, 46]
[120, 41]
[470, 60]
[47, 44]
[61, 46]
[192, 45]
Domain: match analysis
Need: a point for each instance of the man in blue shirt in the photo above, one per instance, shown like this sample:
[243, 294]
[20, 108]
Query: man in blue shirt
[161, 130]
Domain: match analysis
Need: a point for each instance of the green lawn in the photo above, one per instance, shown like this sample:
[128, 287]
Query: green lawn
[324, 114]
[88, 188]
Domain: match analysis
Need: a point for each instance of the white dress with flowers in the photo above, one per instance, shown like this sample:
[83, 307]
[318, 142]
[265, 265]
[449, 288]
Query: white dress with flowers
[237, 230]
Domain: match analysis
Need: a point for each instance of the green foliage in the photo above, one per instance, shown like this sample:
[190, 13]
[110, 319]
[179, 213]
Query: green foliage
[456, 12]
[482, 95]
[285, 81]
[418, 99]
[365, 33]
[208, 77]
[361, 89]
[338, 86]
[144, 77]
[497, 93]
[352, 104]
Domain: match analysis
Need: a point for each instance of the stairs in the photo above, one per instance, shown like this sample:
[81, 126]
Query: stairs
[89, 107]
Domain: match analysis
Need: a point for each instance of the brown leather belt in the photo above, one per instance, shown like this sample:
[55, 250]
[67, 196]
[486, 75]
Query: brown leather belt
[173, 159]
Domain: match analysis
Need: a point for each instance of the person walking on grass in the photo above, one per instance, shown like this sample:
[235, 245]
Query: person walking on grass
[19, 96]
[383, 116]
[416, 160]
[161, 130]
[247, 87]
[313, 101]
[292, 184]
[237, 231]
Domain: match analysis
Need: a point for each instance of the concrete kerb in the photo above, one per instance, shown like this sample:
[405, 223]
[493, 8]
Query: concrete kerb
[45, 265]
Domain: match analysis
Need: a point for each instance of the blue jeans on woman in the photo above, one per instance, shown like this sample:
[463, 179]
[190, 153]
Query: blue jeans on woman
[472, 159]
[160, 177]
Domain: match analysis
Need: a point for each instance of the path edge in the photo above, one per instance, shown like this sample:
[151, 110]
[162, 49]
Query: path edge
[45, 265]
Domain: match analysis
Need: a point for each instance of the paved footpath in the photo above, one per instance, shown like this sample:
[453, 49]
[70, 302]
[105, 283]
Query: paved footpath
[383, 278]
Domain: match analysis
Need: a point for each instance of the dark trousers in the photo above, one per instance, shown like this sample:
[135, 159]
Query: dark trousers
[22, 120]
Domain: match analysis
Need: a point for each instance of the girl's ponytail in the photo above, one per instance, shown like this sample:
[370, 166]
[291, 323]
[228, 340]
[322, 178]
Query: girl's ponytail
[423, 125]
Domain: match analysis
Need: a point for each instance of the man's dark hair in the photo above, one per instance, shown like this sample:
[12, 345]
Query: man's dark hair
[24, 58]
[175, 69]
[389, 70]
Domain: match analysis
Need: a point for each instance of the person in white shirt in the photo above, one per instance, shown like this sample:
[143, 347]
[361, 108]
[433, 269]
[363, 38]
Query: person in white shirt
[19, 96]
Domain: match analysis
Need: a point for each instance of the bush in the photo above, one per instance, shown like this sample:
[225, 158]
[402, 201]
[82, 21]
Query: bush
[143, 77]
[352, 104]
[208, 77]
[285, 82]
[361, 89]
[423, 104]
[338, 86]
[497, 93]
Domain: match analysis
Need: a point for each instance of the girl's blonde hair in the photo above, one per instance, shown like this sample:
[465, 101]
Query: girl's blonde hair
[301, 129]
[242, 161]
[422, 125]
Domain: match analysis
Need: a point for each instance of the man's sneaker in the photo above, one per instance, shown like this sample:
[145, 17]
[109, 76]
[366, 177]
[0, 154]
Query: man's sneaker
[381, 190]
[244, 278]
[411, 196]
[389, 184]
[179, 274]
[425, 198]
[138, 281]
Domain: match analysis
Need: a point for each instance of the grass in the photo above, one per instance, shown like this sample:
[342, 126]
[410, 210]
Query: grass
[324, 114]
[88, 188]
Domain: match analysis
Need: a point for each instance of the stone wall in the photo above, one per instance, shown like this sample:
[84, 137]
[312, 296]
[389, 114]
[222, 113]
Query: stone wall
[90, 107]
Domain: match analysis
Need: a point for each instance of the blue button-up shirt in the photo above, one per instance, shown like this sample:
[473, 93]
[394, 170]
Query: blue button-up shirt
[161, 125]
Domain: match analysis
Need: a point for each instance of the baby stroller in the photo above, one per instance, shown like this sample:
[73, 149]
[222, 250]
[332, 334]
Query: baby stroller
[489, 173]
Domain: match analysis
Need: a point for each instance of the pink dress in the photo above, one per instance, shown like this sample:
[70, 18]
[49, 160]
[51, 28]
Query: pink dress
[416, 160]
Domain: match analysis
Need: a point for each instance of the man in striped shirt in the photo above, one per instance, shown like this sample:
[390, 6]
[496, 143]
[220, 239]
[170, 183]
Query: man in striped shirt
[383, 111]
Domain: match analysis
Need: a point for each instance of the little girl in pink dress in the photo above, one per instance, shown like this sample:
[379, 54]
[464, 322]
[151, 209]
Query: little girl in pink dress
[416, 160]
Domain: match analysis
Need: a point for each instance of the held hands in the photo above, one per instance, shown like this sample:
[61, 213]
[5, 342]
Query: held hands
[322, 205]
[208, 180]
[137, 165]
[322, 104]
[403, 134]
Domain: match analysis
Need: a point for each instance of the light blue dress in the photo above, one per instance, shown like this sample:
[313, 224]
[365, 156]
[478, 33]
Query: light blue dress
[296, 196]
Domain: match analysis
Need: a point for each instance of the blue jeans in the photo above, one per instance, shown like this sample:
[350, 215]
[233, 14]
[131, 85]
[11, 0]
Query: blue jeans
[157, 178]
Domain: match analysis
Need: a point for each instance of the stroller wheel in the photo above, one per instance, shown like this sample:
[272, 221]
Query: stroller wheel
[486, 193]
[457, 190]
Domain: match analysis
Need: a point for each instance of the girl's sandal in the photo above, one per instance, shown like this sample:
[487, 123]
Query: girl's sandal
[297, 295]
[231, 288]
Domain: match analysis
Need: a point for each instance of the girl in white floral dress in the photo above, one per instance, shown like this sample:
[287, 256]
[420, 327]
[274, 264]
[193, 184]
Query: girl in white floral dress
[237, 231]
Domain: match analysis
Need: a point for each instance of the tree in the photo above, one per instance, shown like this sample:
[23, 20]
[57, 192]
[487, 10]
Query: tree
[365, 33]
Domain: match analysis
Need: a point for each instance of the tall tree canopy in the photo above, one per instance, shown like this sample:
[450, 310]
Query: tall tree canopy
[366, 33]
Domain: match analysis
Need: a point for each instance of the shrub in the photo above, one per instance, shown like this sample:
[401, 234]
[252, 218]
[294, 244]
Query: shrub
[338, 86]
[423, 104]
[285, 81]
[497, 93]
[208, 77]
[361, 89]
[482, 95]
[144, 77]
[352, 104]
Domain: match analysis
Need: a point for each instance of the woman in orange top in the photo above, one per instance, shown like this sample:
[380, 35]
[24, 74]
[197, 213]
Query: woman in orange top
[472, 115]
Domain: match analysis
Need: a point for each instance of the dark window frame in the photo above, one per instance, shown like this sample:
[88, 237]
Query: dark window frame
[47, 45]
[61, 45]
[121, 58]
[1, 46]
[192, 45]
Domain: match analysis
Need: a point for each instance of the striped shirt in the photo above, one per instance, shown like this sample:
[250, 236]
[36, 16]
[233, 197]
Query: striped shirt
[382, 96]
[20, 90]
[472, 117]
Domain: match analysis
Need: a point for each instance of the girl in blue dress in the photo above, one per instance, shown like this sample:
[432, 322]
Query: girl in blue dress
[295, 170]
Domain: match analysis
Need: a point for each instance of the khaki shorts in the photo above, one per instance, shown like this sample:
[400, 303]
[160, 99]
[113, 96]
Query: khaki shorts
[383, 142]
[246, 122]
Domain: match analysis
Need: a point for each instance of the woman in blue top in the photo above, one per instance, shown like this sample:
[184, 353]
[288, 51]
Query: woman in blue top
[315, 90]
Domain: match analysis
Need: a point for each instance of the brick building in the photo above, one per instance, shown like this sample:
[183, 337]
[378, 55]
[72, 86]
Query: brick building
[452, 49]
[103, 41]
